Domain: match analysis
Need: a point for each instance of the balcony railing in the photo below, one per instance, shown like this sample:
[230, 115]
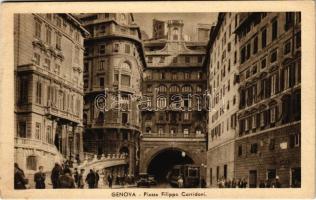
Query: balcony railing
[35, 144]
[50, 110]
[174, 135]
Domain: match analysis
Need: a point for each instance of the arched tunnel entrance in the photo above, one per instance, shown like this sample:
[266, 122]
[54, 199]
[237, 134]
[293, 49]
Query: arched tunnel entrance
[164, 161]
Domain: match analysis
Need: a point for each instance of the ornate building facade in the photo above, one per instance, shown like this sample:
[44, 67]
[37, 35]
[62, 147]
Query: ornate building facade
[223, 86]
[48, 64]
[268, 141]
[113, 67]
[174, 121]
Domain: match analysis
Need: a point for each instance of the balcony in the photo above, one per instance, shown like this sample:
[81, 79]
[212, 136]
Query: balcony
[52, 111]
[174, 137]
[105, 124]
[29, 143]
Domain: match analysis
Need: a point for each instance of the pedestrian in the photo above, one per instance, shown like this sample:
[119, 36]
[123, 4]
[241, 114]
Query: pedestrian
[91, 178]
[76, 176]
[234, 184]
[277, 182]
[56, 172]
[203, 183]
[244, 183]
[66, 180]
[239, 183]
[110, 180]
[39, 178]
[80, 179]
[97, 178]
[261, 184]
[180, 182]
[19, 178]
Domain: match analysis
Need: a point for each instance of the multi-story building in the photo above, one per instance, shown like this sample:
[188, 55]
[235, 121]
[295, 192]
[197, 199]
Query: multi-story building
[174, 121]
[48, 63]
[113, 66]
[268, 142]
[223, 88]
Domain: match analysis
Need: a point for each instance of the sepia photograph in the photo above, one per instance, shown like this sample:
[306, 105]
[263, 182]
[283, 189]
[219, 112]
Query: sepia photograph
[157, 100]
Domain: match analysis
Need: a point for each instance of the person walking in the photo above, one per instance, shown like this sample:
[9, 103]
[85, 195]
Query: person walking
[80, 179]
[277, 182]
[56, 172]
[180, 182]
[110, 180]
[66, 180]
[97, 178]
[76, 177]
[91, 178]
[39, 178]
[19, 178]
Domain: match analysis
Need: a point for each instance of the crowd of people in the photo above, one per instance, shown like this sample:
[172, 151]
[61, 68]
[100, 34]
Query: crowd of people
[62, 176]
[242, 183]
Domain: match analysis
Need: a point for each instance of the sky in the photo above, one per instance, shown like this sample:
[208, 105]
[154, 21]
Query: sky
[144, 20]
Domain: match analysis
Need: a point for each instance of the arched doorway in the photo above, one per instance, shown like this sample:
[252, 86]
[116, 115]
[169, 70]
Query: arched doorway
[163, 162]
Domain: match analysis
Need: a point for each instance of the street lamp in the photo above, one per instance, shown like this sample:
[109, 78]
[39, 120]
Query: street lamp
[203, 166]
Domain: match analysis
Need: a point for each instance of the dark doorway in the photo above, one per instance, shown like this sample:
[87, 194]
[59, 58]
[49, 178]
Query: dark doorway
[253, 178]
[163, 163]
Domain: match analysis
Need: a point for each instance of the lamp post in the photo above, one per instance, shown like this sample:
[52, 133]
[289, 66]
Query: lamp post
[203, 166]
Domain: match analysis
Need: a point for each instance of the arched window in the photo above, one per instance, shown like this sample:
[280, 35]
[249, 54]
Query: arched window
[175, 34]
[126, 66]
[161, 102]
[31, 163]
[174, 88]
[186, 88]
[162, 88]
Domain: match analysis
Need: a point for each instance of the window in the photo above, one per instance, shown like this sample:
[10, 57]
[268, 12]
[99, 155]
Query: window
[47, 64]
[239, 150]
[175, 60]
[263, 38]
[150, 59]
[39, 92]
[287, 47]
[124, 118]
[116, 48]
[38, 29]
[235, 57]
[161, 102]
[254, 122]
[49, 36]
[38, 131]
[255, 45]
[101, 65]
[49, 16]
[58, 41]
[101, 82]
[23, 91]
[294, 140]
[185, 131]
[31, 163]
[199, 88]
[127, 48]
[273, 56]
[125, 80]
[254, 148]
[186, 75]
[162, 88]
[273, 114]
[263, 63]
[187, 59]
[274, 84]
[262, 119]
[186, 116]
[49, 138]
[274, 29]
[162, 59]
[102, 49]
[271, 144]
[200, 59]
[243, 55]
[22, 129]
[57, 69]
[37, 58]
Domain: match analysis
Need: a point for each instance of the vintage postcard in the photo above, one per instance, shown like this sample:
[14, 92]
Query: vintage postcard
[157, 100]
